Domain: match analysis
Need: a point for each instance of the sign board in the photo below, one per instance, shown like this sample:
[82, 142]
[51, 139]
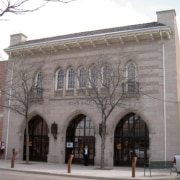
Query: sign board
[30, 143]
[118, 146]
[2, 145]
[69, 144]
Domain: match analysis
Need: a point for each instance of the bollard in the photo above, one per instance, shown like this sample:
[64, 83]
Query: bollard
[71, 156]
[13, 157]
[134, 166]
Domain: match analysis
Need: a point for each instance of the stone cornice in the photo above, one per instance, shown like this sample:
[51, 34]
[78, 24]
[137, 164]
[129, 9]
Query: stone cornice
[136, 35]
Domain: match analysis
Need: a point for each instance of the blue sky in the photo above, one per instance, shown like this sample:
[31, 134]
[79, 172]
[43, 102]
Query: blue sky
[82, 15]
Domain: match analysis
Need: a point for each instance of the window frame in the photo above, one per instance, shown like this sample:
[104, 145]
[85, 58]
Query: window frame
[105, 80]
[82, 78]
[70, 76]
[59, 79]
[95, 73]
[38, 80]
[131, 82]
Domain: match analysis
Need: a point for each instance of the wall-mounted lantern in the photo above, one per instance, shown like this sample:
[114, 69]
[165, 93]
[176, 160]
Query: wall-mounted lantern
[54, 130]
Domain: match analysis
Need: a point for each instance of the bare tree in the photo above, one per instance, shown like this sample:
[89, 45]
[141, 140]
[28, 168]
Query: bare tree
[62, 1]
[105, 86]
[22, 89]
[17, 6]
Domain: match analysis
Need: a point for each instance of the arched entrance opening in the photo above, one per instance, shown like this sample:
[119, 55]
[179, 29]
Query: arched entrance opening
[80, 132]
[131, 138]
[38, 140]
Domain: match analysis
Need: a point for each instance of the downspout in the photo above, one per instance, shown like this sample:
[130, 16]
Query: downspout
[164, 82]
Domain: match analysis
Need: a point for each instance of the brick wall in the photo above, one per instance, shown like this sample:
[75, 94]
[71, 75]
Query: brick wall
[3, 70]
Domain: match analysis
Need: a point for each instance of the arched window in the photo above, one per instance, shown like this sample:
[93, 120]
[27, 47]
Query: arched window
[82, 77]
[38, 80]
[70, 78]
[38, 90]
[80, 132]
[105, 75]
[131, 72]
[60, 79]
[131, 138]
[38, 137]
[131, 86]
[93, 76]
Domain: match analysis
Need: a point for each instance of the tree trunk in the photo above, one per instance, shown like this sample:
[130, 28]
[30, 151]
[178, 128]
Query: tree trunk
[27, 142]
[103, 138]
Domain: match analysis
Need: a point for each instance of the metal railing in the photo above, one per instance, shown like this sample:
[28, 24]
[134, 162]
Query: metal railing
[36, 93]
[130, 87]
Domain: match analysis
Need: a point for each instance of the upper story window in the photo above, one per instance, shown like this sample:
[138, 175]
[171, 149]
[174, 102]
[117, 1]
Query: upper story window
[60, 79]
[82, 77]
[105, 75]
[38, 80]
[70, 78]
[131, 72]
[93, 76]
[131, 86]
[38, 90]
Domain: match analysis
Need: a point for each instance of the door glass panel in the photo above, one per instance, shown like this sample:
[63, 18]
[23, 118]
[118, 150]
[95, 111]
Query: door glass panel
[84, 135]
[91, 132]
[87, 132]
[39, 141]
[131, 138]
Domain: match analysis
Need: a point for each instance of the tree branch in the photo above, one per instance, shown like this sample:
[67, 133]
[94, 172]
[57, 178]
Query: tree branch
[16, 7]
[8, 6]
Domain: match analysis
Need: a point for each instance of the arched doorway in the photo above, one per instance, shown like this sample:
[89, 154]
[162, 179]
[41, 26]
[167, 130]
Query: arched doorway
[131, 138]
[80, 132]
[38, 140]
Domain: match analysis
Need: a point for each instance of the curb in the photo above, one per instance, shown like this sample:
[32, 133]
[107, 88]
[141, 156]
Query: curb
[66, 175]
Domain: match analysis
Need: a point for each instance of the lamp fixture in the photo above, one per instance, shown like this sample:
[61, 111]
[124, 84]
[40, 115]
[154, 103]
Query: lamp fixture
[54, 130]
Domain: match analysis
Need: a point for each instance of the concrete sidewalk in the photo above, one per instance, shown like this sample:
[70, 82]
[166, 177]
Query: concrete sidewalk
[85, 171]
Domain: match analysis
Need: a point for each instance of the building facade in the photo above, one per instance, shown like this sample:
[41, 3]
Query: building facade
[145, 123]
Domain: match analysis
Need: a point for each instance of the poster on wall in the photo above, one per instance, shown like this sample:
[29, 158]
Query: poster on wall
[2, 145]
[69, 144]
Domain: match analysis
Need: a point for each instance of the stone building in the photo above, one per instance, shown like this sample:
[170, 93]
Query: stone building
[147, 121]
